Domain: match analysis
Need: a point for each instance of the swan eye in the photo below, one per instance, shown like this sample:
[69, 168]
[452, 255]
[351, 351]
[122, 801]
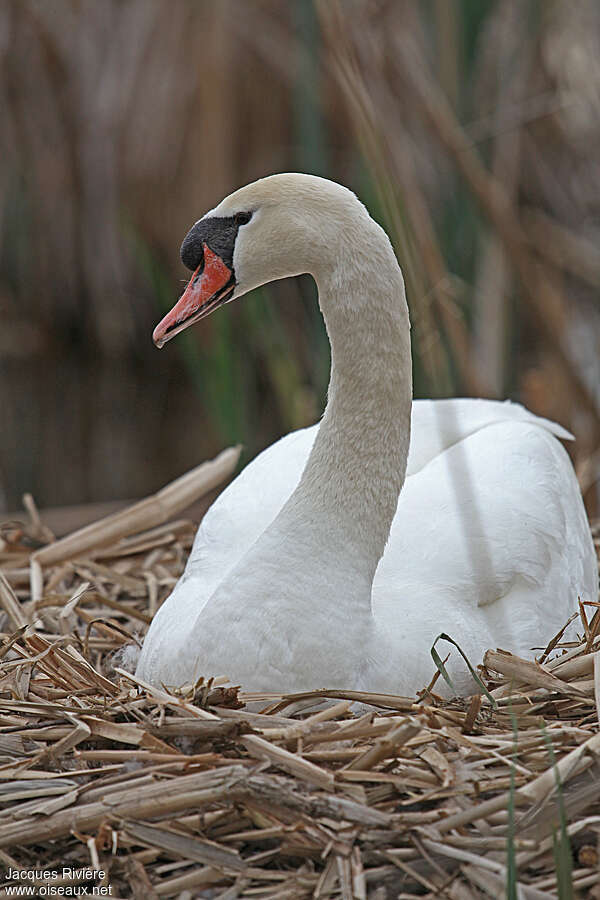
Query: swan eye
[242, 218]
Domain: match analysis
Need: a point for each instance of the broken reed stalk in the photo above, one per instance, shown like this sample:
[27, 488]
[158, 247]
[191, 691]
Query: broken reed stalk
[10, 603]
[523, 671]
[148, 513]
[186, 792]
[574, 763]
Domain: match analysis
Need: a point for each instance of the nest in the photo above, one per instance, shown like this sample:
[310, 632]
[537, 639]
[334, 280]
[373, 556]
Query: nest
[137, 791]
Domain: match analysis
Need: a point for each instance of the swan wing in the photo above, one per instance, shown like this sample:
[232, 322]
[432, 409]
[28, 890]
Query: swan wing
[490, 544]
[439, 424]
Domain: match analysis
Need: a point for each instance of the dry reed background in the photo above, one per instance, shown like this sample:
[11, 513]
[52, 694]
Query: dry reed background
[471, 129]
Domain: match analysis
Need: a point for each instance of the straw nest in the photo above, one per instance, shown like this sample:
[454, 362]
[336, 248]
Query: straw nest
[213, 792]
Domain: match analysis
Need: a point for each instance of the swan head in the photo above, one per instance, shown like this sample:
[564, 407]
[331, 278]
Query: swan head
[280, 226]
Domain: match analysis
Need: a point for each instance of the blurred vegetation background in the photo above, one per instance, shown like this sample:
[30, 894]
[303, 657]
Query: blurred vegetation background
[470, 128]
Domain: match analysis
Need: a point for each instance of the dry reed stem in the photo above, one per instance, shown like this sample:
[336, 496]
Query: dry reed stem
[146, 514]
[10, 603]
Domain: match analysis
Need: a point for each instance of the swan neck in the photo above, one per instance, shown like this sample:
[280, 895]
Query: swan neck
[357, 466]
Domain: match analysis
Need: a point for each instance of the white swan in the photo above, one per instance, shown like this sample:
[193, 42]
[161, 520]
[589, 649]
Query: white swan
[295, 580]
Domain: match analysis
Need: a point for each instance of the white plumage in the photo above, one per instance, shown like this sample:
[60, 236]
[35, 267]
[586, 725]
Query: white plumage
[292, 582]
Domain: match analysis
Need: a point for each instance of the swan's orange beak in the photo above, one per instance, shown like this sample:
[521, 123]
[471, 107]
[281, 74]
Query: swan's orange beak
[206, 290]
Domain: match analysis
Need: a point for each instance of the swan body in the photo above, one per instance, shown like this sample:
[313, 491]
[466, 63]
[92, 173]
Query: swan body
[340, 553]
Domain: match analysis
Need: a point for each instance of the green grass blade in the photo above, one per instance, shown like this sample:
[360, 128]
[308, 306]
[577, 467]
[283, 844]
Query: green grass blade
[511, 855]
[561, 845]
[443, 672]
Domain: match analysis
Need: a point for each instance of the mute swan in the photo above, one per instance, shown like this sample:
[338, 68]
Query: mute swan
[295, 580]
